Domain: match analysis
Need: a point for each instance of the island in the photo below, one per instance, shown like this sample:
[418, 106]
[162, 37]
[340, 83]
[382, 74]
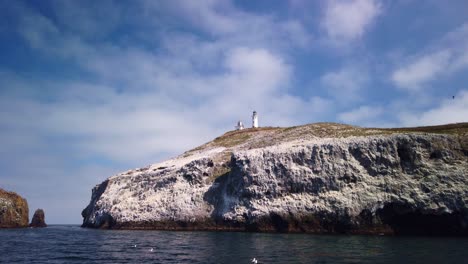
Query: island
[315, 178]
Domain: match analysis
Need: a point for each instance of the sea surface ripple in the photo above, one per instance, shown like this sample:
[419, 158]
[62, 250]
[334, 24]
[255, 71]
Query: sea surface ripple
[72, 244]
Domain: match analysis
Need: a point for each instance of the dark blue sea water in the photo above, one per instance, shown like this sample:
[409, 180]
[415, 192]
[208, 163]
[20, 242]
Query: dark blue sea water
[72, 244]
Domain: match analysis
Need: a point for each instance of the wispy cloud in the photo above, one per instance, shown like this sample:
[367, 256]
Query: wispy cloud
[424, 69]
[447, 111]
[345, 21]
[363, 115]
[165, 94]
[440, 59]
[347, 84]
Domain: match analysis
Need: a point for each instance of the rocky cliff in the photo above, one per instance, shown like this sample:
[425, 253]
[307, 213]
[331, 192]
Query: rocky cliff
[14, 211]
[318, 178]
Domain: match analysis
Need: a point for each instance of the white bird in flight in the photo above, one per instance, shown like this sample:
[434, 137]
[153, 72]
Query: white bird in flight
[254, 260]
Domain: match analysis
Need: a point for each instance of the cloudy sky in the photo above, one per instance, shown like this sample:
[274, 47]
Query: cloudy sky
[92, 88]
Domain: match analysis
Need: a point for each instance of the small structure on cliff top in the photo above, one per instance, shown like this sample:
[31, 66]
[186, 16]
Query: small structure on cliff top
[254, 119]
[239, 125]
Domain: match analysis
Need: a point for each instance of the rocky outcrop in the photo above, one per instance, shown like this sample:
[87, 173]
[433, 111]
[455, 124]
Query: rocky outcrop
[14, 211]
[320, 178]
[38, 219]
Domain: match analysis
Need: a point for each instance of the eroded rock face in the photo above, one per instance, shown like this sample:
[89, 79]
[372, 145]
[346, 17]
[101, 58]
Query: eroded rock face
[14, 211]
[38, 219]
[392, 184]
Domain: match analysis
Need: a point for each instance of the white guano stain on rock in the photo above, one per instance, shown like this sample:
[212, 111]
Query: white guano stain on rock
[350, 179]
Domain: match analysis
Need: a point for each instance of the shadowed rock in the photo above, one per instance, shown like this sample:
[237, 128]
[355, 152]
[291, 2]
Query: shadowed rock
[38, 219]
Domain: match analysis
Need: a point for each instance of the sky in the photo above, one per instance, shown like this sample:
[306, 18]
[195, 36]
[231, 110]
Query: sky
[91, 88]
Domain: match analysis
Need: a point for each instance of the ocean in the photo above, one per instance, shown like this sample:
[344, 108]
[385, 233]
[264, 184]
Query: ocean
[72, 244]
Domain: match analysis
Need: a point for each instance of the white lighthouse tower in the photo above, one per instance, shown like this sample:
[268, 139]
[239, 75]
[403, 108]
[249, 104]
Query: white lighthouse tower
[254, 119]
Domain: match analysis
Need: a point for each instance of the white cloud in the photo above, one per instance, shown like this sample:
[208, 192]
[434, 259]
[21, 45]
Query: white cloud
[88, 19]
[256, 71]
[37, 29]
[347, 20]
[362, 115]
[162, 109]
[422, 70]
[442, 58]
[347, 84]
[216, 17]
[230, 25]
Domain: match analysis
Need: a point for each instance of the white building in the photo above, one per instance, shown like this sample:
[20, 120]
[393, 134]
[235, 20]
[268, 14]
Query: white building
[254, 119]
[239, 126]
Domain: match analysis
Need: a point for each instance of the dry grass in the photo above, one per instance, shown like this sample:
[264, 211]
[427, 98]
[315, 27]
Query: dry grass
[457, 128]
[268, 136]
[232, 140]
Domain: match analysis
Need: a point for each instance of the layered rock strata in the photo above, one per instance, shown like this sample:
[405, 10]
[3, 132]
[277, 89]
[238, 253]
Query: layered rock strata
[319, 178]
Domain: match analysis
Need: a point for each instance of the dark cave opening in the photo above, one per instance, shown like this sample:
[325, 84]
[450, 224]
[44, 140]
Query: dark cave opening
[406, 221]
[281, 225]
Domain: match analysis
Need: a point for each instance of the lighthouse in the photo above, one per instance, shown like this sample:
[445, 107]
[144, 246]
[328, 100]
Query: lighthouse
[254, 119]
[239, 125]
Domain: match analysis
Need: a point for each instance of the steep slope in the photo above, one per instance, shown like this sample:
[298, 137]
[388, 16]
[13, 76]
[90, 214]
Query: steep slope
[14, 211]
[322, 178]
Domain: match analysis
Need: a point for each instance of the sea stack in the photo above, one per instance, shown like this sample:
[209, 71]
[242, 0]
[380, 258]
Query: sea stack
[14, 211]
[38, 219]
[316, 178]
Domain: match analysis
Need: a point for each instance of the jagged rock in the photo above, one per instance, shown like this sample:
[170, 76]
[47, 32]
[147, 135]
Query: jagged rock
[319, 178]
[14, 211]
[38, 219]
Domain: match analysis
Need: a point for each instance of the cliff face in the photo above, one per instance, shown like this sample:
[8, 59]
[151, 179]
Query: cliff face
[14, 211]
[320, 178]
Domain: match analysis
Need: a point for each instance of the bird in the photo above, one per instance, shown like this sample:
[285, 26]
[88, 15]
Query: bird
[254, 260]
[453, 97]
[134, 246]
[151, 250]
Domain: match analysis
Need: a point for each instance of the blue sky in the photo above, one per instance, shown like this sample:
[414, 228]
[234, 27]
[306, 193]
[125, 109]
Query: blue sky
[92, 88]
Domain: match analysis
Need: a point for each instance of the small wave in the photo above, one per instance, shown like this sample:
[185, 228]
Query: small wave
[72, 258]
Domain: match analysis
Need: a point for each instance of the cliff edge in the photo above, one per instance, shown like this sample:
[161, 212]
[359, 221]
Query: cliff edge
[317, 178]
[14, 211]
